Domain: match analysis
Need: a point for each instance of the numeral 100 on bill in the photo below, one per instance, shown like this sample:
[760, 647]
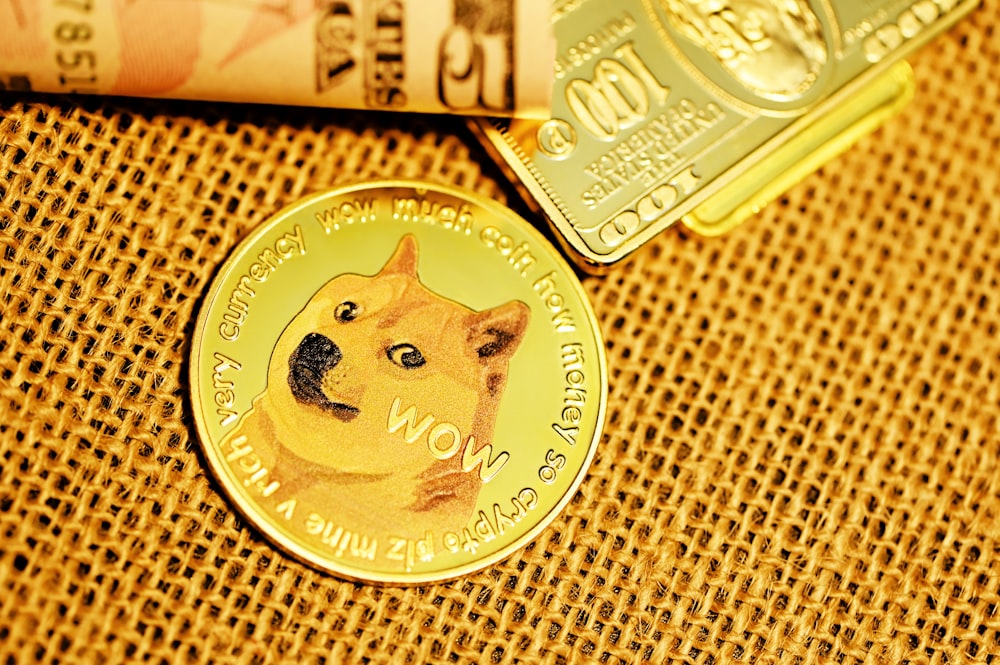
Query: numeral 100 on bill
[617, 96]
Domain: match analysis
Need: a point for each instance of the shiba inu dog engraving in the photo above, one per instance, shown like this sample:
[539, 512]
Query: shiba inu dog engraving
[334, 423]
[398, 382]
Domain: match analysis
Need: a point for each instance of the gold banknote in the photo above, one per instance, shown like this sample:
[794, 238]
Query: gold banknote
[700, 111]
[437, 56]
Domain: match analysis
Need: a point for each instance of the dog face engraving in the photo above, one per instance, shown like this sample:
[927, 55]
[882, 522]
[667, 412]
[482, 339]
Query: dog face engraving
[361, 350]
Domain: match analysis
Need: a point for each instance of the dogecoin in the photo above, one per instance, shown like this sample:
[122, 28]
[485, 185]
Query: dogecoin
[701, 112]
[398, 382]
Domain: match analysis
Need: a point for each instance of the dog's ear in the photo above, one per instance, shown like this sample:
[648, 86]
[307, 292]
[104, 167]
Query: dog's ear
[404, 259]
[496, 333]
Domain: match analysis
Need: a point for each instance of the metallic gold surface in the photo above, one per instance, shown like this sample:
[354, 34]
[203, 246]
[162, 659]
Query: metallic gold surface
[703, 110]
[398, 382]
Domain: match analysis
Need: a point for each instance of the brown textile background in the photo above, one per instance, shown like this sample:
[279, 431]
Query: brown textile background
[801, 462]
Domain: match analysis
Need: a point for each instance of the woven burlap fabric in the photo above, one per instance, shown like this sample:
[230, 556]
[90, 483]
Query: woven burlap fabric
[801, 462]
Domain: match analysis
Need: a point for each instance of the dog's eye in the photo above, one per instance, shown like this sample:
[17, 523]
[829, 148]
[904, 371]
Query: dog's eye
[406, 356]
[346, 311]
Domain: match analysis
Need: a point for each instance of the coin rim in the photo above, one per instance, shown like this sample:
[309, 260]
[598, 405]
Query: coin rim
[256, 518]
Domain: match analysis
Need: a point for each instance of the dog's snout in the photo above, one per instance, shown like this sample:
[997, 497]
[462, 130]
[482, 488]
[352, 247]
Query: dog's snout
[316, 352]
[309, 364]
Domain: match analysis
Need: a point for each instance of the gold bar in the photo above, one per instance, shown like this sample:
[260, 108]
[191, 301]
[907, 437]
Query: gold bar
[701, 111]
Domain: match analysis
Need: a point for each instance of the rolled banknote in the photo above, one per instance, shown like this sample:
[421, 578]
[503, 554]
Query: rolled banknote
[481, 57]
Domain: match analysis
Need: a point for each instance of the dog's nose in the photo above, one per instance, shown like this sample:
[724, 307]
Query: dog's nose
[308, 366]
[317, 353]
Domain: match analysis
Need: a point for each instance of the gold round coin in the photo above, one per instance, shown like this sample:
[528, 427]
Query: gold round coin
[398, 382]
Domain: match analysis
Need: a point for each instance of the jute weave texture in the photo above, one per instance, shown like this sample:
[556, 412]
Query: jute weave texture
[801, 462]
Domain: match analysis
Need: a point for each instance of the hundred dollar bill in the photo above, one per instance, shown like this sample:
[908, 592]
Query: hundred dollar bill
[437, 56]
[700, 111]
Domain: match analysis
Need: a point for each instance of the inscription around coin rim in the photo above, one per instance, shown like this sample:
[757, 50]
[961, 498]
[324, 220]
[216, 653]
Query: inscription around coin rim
[531, 490]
